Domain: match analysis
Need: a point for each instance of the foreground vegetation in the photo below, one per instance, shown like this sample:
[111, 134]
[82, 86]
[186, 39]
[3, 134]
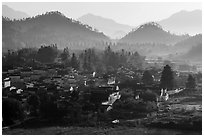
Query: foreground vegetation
[65, 93]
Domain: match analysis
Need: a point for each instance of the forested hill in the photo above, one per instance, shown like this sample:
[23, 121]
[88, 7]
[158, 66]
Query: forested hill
[187, 44]
[48, 28]
[194, 54]
[151, 33]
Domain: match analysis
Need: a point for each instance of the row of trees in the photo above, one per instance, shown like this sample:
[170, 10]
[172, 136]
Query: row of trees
[32, 57]
[87, 60]
[90, 60]
[167, 80]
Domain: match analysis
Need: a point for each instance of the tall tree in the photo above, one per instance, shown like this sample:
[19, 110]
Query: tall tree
[167, 78]
[190, 84]
[34, 102]
[47, 54]
[135, 60]
[85, 64]
[147, 78]
[74, 62]
[65, 54]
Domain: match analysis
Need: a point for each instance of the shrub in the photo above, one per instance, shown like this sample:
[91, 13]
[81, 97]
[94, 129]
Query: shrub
[11, 111]
[34, 102]
[148, 96]
[128, 107]
[48, 107]
[126, 94]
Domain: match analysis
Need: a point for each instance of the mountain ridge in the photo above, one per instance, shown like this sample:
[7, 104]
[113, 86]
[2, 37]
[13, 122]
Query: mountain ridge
[106, 25]
[13, 14]
[151, 32]
[184, 22]
[48, 28]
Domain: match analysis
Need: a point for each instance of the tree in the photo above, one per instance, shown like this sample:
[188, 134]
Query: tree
[135, 60]
[47, 54]
[85, 61]
[167, 78]
[147, 78]
[190, 84]
[148, 95]
[74, 62]
[34, 102]
[65, 55]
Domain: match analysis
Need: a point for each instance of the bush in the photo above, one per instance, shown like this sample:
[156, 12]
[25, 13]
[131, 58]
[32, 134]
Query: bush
[127, 107]
[11, 111]
[148, 96]
[34, 102]
[126, 94]
[48, 107]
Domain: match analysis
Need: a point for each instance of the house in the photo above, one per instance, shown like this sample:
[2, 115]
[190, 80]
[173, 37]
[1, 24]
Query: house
[7, 82]
[35, 77]
[29, 85]
[111, 81]
[164, 96]
[11, 71]
[26, 73]
[19, 91]
[39, 72]
[27, 79]
[51, 72]
[15, 78]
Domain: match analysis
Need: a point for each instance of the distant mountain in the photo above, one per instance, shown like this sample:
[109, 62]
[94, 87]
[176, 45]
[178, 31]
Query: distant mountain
[13, 14]
[49, 28]
[151, 33]
[185, 45]
[108, 26]
[184, 22]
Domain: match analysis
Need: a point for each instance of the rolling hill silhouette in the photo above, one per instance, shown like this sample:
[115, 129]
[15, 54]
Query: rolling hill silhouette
[52, 27]
[13, 14]
[184, 22]
[152, 33]
[108, 26]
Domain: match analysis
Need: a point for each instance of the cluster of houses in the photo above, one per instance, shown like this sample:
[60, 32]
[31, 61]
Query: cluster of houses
[23, 81]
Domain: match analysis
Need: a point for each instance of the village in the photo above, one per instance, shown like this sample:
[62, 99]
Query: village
[66, 89]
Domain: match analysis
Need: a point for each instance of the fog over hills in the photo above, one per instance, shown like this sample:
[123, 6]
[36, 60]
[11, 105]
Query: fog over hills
[149, 39]
[184, 22]
[108, 26]
[187, 44]
[13, 14]
[52, 27]
[193, 55]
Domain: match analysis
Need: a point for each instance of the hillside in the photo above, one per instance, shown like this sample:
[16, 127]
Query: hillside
[52, 27]
[108, 26]
[194, 54]
[184, 22]
[13, 14]
[185, 45]
[151, 33]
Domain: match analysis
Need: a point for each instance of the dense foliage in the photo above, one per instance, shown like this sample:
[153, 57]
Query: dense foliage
[167, 79]
[88, 60]
[11, 110]
[190, 84]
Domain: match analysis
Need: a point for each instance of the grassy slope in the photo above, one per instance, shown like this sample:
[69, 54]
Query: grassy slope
[121, 130]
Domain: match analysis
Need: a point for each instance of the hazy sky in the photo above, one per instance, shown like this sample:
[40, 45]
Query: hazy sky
[131, 13]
